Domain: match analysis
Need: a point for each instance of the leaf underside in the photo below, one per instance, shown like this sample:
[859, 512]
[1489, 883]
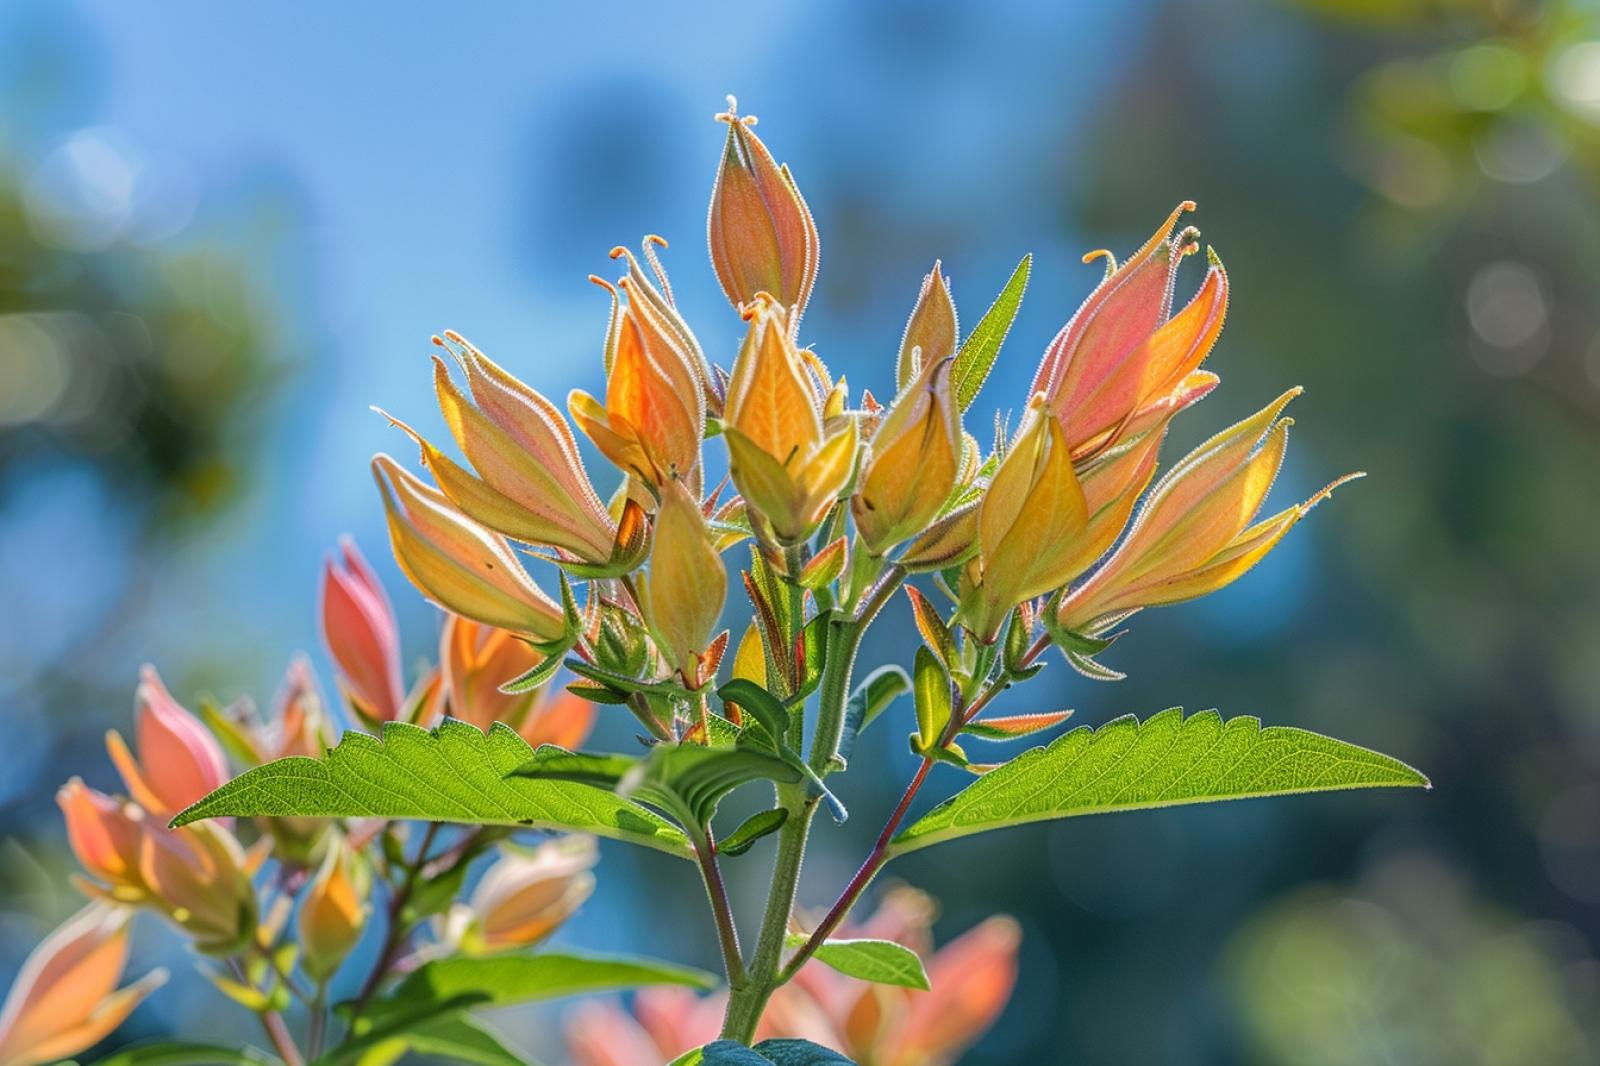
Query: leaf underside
[1165, 761]
[883, 962]
[453, 773]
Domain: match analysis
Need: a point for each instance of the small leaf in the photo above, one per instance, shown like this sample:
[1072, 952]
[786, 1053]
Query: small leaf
[432, 895]
[174, 1053]
[934, 632]
[1165, 761]
[813, 648]
[982, 346]
[751, 830]
[759, 704]
[1014, 726]
[871, 698]
[453, 773]
[882, 962]
[800, 1053]
[932, 694]
[534, 678]
[459, 1038]
[722, 1053]
[824, 567]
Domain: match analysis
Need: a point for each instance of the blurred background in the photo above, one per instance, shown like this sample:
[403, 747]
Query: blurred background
[225, 232]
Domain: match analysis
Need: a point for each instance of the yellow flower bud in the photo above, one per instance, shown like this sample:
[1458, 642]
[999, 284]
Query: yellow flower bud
[1030, 523]
[761, 233]
[459, 564]
[1195, 534]
[686, 584]
[931, 332]
[787, 461]
[524, 896]
[914, 462]
[333, 911]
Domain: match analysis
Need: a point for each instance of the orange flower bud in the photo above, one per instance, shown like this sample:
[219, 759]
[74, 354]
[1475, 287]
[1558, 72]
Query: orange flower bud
[524, 896]
[1031, 521]
[686, 584]
[762, 236]
[104, 833]
[298, 725]
[65, 998]
[914, 462]
[655, 408]
[477, 659]
[931, 332]
[1122, 351]
[970, 981]
[1195, 534]
[359, 629]
[197, 876]
[179, 760]
[459, 564]
[332, 913]
[531, 484]
[788, 463]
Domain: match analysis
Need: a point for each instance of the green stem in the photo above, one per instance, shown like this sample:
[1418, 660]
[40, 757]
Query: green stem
[705, 850]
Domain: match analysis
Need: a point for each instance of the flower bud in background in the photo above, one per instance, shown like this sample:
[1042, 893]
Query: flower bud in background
[686, 584]
[1194, 535]
[475, 660]
[762, 236]
[931, 332]
[788, 463]
[299, 723]
[666, 1022]
[65, 997]
[1030, 524]
[359, 628]
[1121, 351]
[654, 413]
[197, 876]
[970, 980]
[914, 462]
[104, 833]
[524, 896]
[459, 564]
[333, 911]
[530, 483]
[179, 761]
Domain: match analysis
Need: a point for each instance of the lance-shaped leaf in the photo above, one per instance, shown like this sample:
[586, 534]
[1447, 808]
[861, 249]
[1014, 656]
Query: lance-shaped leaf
[883, 962]
[1164, 761]
[502, 980]
[453, 773]
[982, 346]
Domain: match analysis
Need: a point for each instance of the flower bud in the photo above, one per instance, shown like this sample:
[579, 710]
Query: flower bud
[1194, 535]
[197, 876]
[477, 659]
[970, 980]
[179, 760]
[1122, 351]
[459, 564]
[686, 584]
[359, 628]
[65, 997]
[914, 462]
[104, 834]
[762, 236]
[788, 463]
[298, 725]
[654, 413]
[524, 896]
[1030, 523]
[530, 484]
[931, 332]
[333, 912]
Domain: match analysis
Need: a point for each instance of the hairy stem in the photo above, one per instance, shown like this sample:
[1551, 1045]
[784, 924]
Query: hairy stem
[395, 936]
[705, 850]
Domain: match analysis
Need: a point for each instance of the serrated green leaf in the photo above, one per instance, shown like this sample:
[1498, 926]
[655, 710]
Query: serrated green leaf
[501, 980]
[174, 1053]
[1165, 761]
[982, 346]
[882, 962]
[453, 773]
[751, 830]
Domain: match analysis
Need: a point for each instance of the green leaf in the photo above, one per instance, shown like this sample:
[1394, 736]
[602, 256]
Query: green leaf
[453, 773]
[931, 687]
[1165, 761]
[173, 1053]
[751, 830]
[722, 1053]
[882, 962]
[1016, 726]
[870, 699]
[800, 1053]
[982, 346]
[502, 980]
[759, 704]
[459, 1038]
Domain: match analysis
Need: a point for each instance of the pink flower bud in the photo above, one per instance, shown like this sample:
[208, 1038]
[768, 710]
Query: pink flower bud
[65, 998]
[359, 628]
[179, 761]
[197, 876]
[104, 834]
